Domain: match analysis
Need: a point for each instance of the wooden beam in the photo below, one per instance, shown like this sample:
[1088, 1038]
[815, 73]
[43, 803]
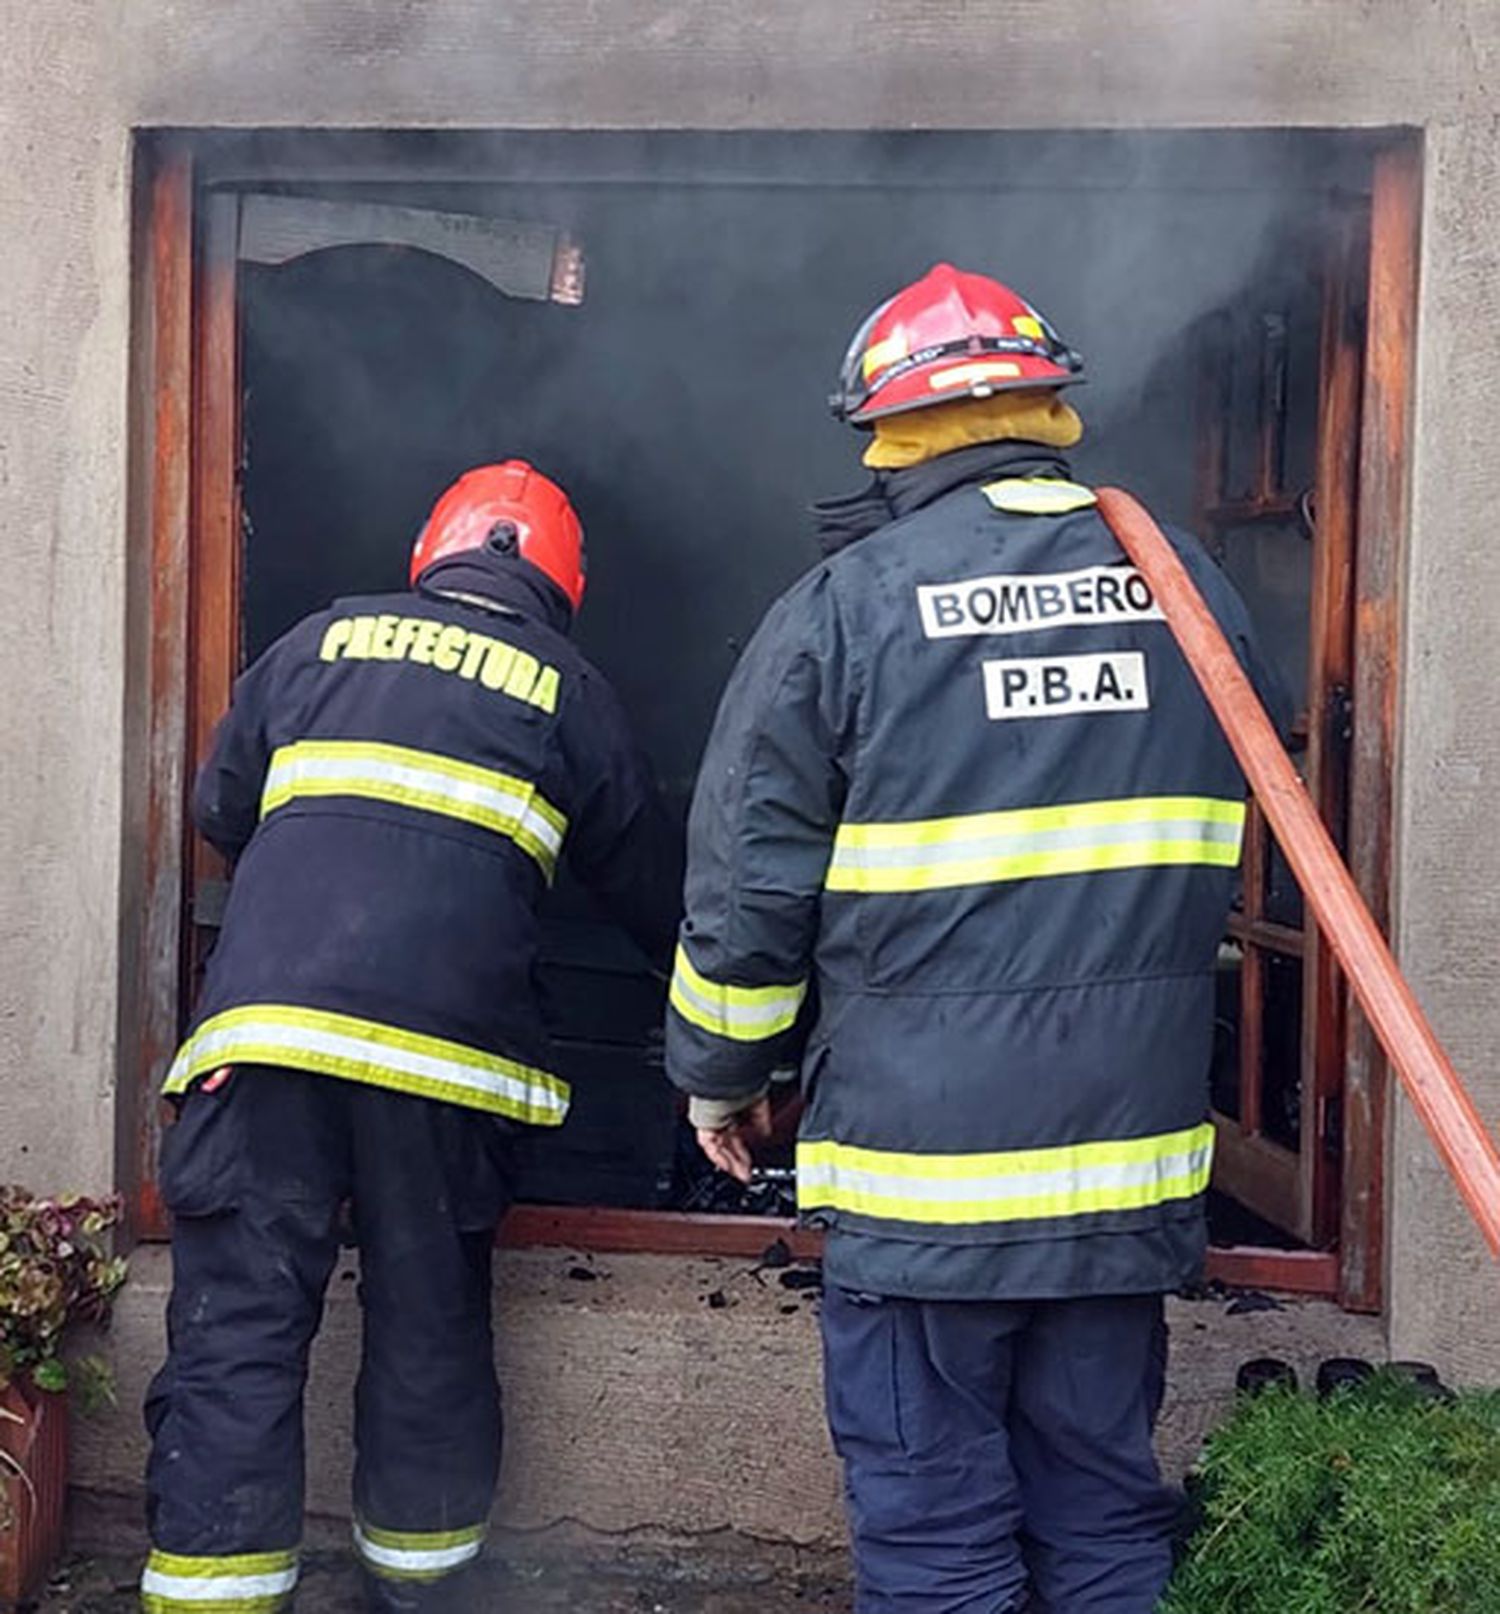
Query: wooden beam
[627, 1232]
[1213, 398]
[1330, 681]
[1253, 980]
[1261, 1174]
[215, 542]
[167, 367]
[1268, 935]
[1291, 1272]
[644, 1232]
[1384, 482]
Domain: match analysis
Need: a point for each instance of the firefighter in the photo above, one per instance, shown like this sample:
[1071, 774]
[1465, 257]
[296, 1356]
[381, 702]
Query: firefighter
[964, 799]
[395, 782]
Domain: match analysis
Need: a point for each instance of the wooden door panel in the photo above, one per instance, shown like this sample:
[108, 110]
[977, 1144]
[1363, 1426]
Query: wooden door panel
[1278, 1150]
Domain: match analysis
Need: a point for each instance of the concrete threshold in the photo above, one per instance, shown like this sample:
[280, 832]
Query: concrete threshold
[650, 1398]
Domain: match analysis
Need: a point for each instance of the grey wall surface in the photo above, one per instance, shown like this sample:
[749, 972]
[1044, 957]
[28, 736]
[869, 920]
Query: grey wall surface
[64, 288]
[75, 78]
[1444, 1296]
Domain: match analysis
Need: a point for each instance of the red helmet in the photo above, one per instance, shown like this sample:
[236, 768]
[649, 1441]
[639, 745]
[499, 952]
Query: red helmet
[948, 335]
[547, 530]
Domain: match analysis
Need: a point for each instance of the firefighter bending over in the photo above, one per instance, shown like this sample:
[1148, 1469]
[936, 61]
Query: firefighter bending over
[397, 778]
[964, 788]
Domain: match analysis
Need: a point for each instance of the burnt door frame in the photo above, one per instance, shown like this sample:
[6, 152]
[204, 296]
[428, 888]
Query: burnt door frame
[185, 528]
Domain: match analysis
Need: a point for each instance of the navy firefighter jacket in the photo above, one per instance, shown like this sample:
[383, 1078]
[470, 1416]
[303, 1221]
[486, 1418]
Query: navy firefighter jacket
[396, 780]
[965, 797]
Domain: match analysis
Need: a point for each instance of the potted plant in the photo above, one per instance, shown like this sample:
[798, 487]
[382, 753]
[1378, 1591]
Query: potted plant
[55, 1269]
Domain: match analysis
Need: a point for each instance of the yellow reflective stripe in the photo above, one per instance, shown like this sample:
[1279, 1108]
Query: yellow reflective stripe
[1030, 843]
[423, 780]
[180, 1597]
[366, 1051]
[416, 1554]
[880, 355]
[420, 1540]
[741, 1013]
[1007, 1186]
[243, 1583]
[980, 370]
[243, 1563]
[997, 870]
[1123, 810]
[1038, 495]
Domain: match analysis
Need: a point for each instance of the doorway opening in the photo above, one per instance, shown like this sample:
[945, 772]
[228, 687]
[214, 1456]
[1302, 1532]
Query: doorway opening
[341, 323]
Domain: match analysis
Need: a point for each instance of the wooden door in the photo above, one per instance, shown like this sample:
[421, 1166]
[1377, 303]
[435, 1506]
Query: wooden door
[1279, 1083]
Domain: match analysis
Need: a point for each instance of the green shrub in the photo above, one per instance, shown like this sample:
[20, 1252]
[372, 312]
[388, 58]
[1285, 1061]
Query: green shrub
[1380, 1500]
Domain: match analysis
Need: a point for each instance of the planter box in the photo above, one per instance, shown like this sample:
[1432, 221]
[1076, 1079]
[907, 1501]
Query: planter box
[31, 1509]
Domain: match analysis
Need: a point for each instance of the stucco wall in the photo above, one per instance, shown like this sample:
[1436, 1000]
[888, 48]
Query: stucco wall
[1444, 1297]
[74, 78]
[63, 322]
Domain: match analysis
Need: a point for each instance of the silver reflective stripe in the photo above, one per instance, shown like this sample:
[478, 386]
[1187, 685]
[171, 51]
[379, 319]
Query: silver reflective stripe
[225, 1046]
[255, 1035]
[771, 1012]
[740, 1013]
[217, 1588]
[416, 1560]
[295, 768]
[1013, 1185]
[1084, 1181]
[1027, 843]
[1022, 843]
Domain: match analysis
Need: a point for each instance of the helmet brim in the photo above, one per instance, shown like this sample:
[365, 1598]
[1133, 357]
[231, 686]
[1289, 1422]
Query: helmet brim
[899, 399]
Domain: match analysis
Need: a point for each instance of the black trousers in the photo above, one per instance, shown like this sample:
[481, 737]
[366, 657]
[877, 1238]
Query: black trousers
[996, 1448]
[259, 1172]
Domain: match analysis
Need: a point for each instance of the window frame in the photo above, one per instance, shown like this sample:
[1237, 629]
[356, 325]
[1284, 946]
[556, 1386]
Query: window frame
[184, 527]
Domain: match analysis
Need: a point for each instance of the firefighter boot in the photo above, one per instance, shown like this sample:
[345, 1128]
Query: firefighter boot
[458, 1593]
